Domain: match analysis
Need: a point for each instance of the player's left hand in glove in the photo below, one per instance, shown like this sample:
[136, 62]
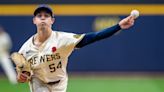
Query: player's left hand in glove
[23, 68]
[23, 77]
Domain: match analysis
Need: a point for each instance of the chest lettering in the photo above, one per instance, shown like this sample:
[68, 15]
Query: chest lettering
[44, 58]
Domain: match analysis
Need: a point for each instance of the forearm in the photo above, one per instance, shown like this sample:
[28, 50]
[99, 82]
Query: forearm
[96, 36]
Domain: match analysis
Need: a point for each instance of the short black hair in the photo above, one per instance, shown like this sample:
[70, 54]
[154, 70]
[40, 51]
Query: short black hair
[45, 8]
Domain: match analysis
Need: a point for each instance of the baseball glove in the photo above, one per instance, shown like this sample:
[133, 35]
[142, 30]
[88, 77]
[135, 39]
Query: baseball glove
[22, 66]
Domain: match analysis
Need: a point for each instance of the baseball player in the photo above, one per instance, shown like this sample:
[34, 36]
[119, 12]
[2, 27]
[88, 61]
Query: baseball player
[48, 50]
[5, 46]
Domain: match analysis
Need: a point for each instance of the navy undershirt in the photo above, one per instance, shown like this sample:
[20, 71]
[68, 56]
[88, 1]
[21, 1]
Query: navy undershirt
[96, 36]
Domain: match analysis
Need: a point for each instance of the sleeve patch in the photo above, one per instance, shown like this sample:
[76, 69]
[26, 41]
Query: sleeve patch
[77, 36]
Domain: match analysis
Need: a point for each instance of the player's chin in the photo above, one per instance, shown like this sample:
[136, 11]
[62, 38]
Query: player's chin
[42, 25]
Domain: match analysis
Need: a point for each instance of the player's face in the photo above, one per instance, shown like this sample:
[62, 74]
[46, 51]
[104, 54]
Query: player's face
[43, 20]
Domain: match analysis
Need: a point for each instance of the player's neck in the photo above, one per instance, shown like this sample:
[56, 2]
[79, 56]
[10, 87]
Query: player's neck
[41, 36]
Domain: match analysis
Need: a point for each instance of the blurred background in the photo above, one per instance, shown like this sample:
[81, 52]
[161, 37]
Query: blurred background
[131, 61]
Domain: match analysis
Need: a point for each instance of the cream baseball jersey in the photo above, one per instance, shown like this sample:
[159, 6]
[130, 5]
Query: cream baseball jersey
[49, 61]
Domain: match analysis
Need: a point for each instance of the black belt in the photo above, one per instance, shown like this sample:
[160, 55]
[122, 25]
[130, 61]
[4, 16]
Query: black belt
[55, 82]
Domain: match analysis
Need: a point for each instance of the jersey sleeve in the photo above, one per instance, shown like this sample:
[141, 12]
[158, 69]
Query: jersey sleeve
[22, 49]
[25, 47]
[75, 38]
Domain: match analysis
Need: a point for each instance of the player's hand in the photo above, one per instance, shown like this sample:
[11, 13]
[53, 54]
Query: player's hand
[127, 22]
[23, 77]
[23, 68]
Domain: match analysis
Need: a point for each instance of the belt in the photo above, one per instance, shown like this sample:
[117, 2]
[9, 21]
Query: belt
[54, 82]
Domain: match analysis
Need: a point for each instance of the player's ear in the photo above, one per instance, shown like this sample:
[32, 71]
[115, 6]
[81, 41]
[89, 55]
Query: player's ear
[34, 20]
[53, 20]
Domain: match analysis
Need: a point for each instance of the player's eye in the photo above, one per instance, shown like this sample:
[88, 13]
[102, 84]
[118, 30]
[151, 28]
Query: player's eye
[39, 15]
[47, 15]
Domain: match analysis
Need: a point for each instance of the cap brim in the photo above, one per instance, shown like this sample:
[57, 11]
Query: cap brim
[46, 9]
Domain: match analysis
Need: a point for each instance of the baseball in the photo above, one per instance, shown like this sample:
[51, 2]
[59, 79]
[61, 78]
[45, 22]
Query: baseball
[135, 13]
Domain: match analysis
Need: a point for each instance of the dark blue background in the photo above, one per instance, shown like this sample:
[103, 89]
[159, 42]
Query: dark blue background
[140, 48]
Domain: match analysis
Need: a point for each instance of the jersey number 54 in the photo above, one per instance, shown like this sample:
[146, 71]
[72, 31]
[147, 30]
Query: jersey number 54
[53, 67]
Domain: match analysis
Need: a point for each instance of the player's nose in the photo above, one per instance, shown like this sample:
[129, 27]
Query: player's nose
[43, 17]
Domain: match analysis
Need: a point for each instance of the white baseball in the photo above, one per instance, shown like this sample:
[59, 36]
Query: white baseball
[135, 13]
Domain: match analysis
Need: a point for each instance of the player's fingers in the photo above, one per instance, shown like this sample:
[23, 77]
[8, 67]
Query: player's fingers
[130, 18]
[26, 73]
[132, 23]
[22, 78]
